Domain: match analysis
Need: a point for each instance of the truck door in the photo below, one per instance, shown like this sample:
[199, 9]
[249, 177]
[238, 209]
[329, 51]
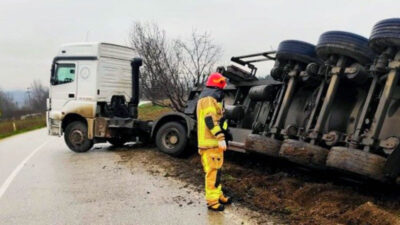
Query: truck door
[63, 84]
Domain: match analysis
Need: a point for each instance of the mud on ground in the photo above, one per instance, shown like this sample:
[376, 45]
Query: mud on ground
[277, 189]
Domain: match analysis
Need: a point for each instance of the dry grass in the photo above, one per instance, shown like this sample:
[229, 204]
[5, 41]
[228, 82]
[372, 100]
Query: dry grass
[7, 127]
[152, 112]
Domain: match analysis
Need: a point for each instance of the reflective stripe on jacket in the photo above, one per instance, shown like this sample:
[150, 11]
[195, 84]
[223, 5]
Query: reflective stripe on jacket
[209, 107]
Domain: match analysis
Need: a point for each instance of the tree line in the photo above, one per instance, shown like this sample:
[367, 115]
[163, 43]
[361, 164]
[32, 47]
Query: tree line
[35, 102]
[171, 67]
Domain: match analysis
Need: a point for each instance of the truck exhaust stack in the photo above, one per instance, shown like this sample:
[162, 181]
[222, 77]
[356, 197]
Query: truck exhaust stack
[134, 101]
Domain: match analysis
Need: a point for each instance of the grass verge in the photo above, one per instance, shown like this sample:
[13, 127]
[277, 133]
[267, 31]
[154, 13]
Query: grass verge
[7, 128]
[152, 112]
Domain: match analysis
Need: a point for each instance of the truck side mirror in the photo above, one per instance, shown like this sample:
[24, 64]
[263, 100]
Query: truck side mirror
[53, 81]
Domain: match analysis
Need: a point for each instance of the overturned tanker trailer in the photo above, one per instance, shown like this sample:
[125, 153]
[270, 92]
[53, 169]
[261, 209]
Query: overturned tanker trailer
[335, 105]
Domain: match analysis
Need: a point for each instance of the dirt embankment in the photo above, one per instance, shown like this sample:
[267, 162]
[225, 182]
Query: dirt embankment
[277, 188]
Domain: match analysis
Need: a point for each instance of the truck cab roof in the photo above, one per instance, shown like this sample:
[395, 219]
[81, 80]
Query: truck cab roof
[96, 49]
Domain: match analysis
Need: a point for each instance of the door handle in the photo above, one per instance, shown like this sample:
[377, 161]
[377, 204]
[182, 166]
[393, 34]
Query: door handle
[71, 95]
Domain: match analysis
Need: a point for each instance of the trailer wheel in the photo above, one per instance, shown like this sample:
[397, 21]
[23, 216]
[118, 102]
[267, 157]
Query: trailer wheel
[171, 139]
[304, 153]
[344, 43]
[76, 137]
[296, 50]
[386, 33]
[357, 161]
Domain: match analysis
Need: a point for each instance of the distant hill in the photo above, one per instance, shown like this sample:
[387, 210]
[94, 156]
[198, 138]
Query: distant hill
[19, 96]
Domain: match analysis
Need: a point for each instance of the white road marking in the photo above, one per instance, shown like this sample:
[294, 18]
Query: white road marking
[10, 178]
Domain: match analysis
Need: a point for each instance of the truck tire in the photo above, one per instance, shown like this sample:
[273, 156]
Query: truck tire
[171, 139]
[117, 141]
[304, 153]
[76, 137]
[344, 43]
[357, 161]
[296, 50]
[386, 33]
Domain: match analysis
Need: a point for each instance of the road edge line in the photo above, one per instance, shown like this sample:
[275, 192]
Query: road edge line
[10, 178]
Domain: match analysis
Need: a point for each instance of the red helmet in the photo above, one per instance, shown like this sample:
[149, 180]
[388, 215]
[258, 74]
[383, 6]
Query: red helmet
[216, 80]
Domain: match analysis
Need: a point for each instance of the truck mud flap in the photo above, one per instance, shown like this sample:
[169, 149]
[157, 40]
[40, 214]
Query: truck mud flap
[261, 144]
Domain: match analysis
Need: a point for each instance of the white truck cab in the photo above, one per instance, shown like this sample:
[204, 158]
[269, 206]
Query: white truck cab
[90, 84]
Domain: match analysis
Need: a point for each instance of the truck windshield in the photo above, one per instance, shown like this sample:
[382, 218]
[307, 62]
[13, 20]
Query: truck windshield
[65, 73]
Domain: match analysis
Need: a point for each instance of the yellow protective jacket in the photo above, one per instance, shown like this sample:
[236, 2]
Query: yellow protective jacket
[209, 132]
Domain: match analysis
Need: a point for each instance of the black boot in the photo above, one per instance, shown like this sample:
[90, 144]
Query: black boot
[216, 207]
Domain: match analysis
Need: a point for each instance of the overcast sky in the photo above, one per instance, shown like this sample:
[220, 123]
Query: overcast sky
[32, 31]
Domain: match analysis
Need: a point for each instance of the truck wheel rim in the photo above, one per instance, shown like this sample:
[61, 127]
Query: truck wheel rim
[77, 137]
[170, 138]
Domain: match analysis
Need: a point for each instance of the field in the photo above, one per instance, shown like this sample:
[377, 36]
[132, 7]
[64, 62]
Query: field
[12, 127]
[152, 112]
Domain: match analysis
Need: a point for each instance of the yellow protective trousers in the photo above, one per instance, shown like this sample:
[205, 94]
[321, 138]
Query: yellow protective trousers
[212, 160]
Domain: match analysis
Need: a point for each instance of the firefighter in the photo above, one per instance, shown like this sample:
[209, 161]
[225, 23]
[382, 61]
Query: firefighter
[211, 139]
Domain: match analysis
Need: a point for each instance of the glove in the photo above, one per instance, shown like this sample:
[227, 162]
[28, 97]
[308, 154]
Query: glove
[222, 145]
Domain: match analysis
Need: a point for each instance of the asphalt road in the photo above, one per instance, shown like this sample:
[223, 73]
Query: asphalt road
[42, 182]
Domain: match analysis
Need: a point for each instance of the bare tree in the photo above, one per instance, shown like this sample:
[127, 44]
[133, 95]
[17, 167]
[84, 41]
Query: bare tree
[7, 105]
[38, 96]
[198, 58]
[172, 67]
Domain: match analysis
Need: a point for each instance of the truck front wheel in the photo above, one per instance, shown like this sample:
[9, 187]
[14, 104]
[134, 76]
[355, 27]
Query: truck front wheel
[76, 137]
[171, 139]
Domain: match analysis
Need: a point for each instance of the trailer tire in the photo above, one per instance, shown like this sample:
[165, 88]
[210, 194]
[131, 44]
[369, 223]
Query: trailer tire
[386, 33]
[296, 50]
[344, 43]
[304, 153]
[171, 139]
[357, 161]
[76, 137]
